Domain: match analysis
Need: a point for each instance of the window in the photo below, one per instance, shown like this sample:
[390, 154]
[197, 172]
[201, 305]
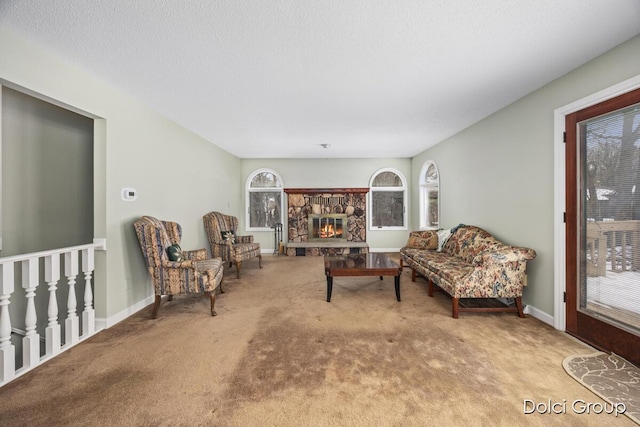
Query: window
[429, 196]
[264, 199]
[387, 200]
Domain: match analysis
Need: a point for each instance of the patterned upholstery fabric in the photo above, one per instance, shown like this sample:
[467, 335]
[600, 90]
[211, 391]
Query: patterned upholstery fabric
[232, 252]
[196, 274]
[472, 264]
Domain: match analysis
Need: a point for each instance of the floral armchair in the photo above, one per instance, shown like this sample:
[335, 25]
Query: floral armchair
[192, 272]
[225, 243]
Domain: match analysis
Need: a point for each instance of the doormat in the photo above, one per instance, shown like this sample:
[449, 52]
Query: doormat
[611, 377]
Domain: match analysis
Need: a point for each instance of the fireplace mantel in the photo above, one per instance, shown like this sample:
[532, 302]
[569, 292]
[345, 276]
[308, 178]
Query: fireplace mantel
[325, 190]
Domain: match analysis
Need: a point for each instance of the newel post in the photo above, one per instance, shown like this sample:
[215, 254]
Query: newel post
[7, 350]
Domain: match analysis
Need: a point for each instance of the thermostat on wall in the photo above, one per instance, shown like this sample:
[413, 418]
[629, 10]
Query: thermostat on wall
[129, 194]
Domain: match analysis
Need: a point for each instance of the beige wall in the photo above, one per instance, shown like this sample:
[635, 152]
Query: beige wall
[178, 175]
[499, 173]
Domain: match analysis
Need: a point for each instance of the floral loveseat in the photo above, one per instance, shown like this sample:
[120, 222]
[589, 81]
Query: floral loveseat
[468, 262]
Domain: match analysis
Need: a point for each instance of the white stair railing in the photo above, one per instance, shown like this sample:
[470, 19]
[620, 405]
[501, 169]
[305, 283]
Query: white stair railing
[31, 340]
[30, 272]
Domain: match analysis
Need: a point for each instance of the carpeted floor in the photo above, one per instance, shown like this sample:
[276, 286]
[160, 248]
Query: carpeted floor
[278, 354]
[611, 377]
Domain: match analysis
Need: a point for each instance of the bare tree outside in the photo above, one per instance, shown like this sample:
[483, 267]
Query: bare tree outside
[387, 200]
[265, 200]
[388, 209]
[612, 179]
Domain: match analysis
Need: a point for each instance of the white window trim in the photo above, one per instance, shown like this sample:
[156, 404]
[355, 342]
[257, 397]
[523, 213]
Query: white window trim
[424, 191]
[370, 200]
[250, 189]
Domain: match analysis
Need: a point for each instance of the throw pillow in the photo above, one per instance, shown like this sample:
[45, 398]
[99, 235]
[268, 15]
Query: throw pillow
[443, 236]
[416, 242]
[229, 235]
[432, 242]
[174, 252]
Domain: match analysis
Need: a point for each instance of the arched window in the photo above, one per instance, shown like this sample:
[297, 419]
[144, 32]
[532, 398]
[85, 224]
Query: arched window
[387, 200]
[429, 196]
[264, 199]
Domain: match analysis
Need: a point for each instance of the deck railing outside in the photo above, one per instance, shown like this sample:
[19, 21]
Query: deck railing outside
[615, 244]
[25, 271]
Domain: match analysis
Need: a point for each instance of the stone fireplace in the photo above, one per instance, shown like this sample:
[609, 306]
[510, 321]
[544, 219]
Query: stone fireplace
[326, 221]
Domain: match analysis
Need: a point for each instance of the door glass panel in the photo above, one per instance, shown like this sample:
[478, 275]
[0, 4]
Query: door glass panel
[609, 268]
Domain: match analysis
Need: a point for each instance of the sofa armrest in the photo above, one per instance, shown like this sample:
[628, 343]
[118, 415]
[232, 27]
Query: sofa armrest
[498, 272]
[504, 254]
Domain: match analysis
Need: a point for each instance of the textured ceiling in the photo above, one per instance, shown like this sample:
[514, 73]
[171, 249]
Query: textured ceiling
[279, 78]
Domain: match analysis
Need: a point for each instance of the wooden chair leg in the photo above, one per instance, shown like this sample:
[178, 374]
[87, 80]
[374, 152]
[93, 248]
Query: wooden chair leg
[455, 302]
[220, 286]
[260, 260]
[213, 303]
[156, 306]
[519, 305]
[430, 288]
[170, 298]
[413, 275]
[238, 264]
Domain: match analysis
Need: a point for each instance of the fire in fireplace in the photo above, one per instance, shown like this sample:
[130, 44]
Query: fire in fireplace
[327, 227]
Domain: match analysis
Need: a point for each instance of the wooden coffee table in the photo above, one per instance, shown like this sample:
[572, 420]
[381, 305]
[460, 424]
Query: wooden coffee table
[355, 265]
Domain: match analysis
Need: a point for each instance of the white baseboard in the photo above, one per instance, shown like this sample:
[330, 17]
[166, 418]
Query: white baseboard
[539, 314]
[104, 323]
